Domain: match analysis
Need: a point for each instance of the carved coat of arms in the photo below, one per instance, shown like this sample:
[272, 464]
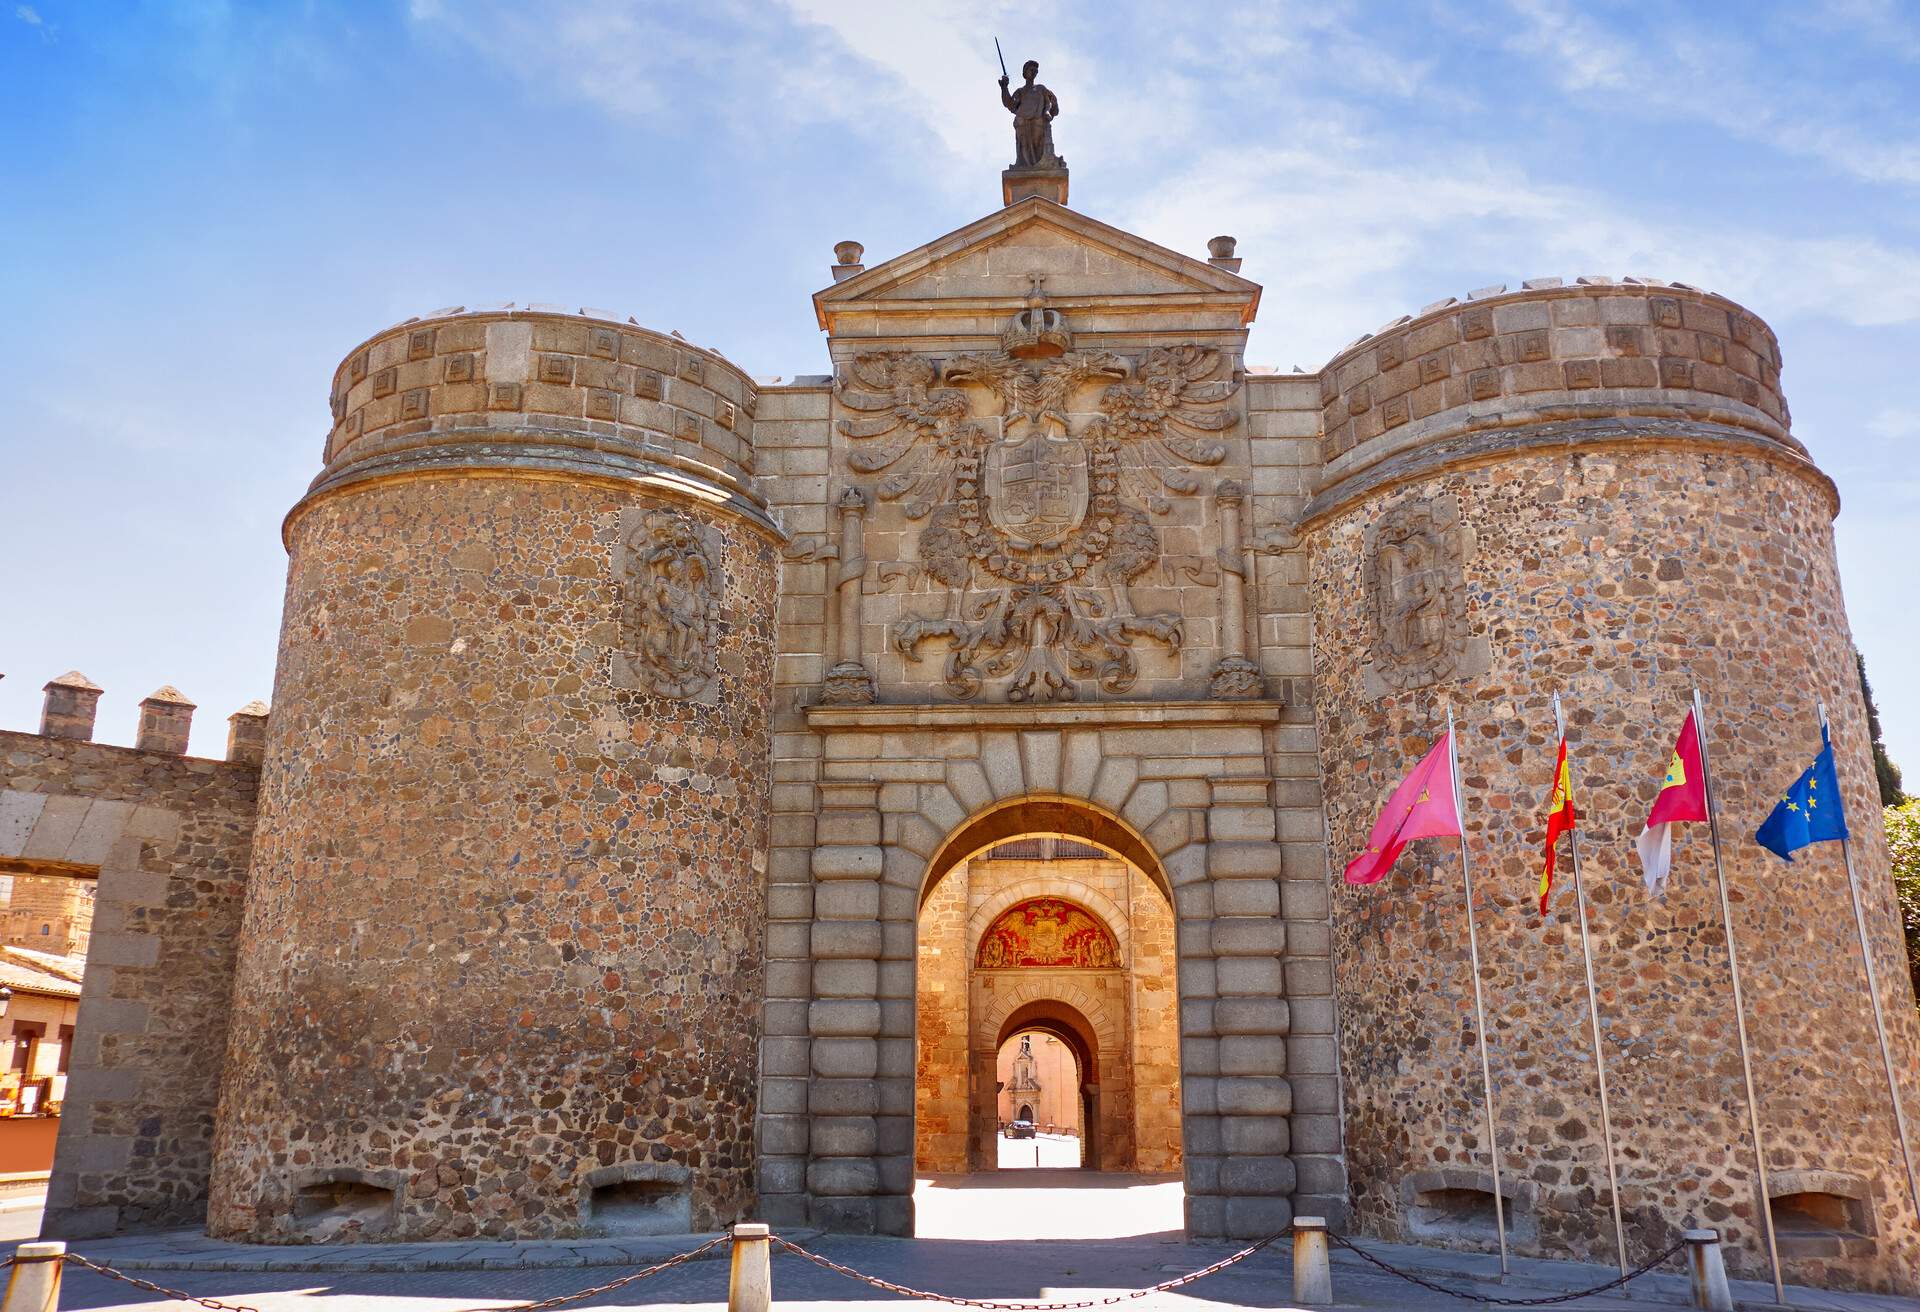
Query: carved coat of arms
[1037, 487]
[673, 604]
[1037, 529]
[1417, 597]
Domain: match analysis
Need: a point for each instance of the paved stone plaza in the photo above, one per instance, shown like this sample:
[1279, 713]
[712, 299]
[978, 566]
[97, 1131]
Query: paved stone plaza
[1037, 1270]
[1051, 1239]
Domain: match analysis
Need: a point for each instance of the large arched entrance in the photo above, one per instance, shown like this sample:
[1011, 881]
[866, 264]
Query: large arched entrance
[881, 803]
[1051, 923]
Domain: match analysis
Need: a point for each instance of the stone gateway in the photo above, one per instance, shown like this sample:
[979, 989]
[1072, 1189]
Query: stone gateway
[680, 786]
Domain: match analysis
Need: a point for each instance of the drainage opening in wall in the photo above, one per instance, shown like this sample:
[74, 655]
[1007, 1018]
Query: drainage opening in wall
[640, 1198]
[343, 1204]
[1813, 1223]
[1453, 1205]
[1459, 1213]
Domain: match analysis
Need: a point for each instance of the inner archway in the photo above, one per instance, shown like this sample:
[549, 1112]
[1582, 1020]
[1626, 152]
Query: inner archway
[1050, 922]
[1048, 1095]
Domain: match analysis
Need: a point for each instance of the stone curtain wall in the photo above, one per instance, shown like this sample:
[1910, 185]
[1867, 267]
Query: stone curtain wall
[504, 937]
[167, 838]
[1619, 576]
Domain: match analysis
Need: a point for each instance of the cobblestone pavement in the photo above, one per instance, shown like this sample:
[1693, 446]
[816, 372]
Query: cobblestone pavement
[1019, 1269]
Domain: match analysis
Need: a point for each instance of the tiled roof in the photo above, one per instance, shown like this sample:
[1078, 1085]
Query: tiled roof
[26, 971]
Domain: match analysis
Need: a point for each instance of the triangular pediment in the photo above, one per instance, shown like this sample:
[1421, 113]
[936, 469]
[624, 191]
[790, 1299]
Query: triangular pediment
[991, 263]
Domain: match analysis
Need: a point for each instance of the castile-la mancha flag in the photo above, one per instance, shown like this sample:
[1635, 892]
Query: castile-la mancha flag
[1683, 796]
[1421, 807]
[1561, 817]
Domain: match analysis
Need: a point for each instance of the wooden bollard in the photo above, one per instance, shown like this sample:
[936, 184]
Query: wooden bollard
[1312, 1272]
[750, 1279]
[1706, 1273]
[34, 1283]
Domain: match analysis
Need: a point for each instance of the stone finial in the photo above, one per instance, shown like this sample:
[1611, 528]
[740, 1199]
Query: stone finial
[1220, 253]
[846, 256]
[247, 734]
[69, 708]
[166, 717]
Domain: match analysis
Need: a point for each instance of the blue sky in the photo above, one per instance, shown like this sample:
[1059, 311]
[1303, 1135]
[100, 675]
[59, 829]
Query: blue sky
[204, 205]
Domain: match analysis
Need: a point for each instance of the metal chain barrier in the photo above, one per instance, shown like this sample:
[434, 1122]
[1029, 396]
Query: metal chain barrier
[148, 1285]
[560, 1301]
[1408, 1276]
[611, 1285]
[908, 1291]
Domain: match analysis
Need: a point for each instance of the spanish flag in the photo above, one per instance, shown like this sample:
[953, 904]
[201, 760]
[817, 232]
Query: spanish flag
[1683, 796]
[1560, 819]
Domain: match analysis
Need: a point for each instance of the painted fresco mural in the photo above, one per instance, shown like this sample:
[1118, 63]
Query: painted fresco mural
[1046, 931]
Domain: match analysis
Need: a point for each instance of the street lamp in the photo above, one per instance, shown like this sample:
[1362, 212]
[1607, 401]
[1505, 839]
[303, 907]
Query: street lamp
[6, 996]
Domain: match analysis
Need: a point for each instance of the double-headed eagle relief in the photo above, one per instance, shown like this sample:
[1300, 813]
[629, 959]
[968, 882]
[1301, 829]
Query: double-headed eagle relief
[1037, 529]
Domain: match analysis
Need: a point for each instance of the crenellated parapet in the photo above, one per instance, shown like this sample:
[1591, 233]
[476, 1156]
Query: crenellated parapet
[537, 390]
[72, 702]
[1592, 359]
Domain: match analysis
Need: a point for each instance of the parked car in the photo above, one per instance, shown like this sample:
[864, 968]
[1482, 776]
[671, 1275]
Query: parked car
[1020, 1130]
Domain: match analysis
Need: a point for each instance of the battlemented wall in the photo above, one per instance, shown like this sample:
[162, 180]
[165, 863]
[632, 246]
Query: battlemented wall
[503, 937]
[166, 838]
[1618, 545]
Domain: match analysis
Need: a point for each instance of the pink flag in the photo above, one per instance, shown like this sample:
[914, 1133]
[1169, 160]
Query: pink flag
[1421, 807]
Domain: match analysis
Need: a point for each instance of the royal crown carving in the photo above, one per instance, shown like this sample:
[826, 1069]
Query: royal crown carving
[1037, 495]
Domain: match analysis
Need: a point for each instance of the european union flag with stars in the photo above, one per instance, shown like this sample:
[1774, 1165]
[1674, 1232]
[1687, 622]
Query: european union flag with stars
[1811, 811]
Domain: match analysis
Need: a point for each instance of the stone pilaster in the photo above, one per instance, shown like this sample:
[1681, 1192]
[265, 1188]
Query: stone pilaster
[849, 682]
[1234, 676]
[1251, 1020]
[844, 1016]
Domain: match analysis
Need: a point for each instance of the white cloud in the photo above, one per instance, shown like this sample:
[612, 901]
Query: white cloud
[31, 17]
[1348, 243]
[1895, 424]
[1671, 77]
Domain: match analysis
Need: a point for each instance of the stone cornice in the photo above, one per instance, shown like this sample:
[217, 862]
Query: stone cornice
[552, 463]
[1493, 445]
[1052, 715]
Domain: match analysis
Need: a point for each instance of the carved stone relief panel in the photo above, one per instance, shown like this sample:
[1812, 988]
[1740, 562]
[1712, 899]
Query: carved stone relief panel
[668, 565]
[1415, 578]
[1036, 474]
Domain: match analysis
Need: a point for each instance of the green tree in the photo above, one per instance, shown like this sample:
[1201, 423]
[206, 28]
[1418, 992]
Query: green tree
[1903, 838]
[1883, 767]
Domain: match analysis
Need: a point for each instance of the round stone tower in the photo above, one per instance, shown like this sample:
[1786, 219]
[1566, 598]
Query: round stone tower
[501, 963]
[1591, 489]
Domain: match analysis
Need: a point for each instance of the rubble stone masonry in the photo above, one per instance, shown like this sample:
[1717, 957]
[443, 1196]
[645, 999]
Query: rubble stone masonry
[503, 949]
[1618, 561]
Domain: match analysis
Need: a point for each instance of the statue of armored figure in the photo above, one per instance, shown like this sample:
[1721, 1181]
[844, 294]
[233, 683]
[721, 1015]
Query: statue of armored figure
[1034, 109]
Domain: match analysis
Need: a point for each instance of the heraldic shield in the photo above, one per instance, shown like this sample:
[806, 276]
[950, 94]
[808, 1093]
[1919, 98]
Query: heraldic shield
[1037, 487]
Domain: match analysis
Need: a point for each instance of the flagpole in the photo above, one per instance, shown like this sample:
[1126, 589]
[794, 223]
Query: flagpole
[1739, 1007]
[1479, 1006]
[1593, 1016]
[1873, 992]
